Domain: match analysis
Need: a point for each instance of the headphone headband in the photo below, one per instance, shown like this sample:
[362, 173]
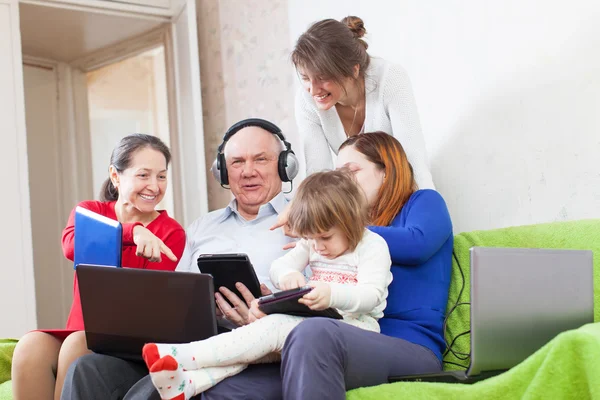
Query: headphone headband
[258, 122]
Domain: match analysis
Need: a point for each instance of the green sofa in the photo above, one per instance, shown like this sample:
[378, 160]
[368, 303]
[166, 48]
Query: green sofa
[7, 346]
[568, 367]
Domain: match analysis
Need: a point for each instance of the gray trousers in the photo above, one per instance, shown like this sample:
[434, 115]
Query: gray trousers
[322, 359]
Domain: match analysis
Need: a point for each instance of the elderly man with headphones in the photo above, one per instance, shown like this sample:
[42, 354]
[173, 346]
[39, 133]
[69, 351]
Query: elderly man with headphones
[253, 161]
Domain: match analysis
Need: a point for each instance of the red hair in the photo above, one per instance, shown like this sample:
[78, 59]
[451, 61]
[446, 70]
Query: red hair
[399, 184]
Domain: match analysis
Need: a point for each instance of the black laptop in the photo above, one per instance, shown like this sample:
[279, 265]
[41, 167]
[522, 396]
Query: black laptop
[124, 308]
[520, 300]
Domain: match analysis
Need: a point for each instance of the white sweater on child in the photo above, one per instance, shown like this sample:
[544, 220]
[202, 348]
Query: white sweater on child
[390, 107]
[358, 279]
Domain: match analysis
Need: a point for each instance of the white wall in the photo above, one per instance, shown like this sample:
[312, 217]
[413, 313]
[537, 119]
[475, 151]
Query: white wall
[508, 94]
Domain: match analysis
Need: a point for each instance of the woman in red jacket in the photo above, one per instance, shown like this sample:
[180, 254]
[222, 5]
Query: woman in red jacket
[151, 239]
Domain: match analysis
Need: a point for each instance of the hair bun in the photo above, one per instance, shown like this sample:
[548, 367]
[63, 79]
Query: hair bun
[356, 25]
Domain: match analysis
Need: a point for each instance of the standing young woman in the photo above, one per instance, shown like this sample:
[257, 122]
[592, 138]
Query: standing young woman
[151, 239]
[347, 92]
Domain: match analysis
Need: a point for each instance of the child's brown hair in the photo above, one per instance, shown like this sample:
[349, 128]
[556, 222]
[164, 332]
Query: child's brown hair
[328, 199]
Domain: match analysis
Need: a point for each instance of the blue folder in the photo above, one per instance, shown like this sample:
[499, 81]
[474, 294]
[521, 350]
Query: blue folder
[97, 239]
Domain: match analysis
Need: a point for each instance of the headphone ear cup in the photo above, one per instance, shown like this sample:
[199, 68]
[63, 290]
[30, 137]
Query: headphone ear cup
[287, 165]
[215, 171]
[223, 170]
[293, 165]
[219, 170]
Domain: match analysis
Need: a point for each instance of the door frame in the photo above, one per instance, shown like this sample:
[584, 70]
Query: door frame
[119, 51]
[73, 131]
[66, 142]
[18, 269]
[110, 8]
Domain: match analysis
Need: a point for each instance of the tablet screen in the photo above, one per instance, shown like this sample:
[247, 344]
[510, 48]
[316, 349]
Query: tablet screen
[228, 269]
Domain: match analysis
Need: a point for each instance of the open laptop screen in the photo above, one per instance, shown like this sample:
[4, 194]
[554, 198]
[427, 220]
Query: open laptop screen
[522, 298]
[124, 308]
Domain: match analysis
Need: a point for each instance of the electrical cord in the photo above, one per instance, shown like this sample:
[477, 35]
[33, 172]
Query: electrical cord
[459, 355]
[457, 364]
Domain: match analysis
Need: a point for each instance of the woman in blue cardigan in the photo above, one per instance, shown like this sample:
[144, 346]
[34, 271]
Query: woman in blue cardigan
[323, 358]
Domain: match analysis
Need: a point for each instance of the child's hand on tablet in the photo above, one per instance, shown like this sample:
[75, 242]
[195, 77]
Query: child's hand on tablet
[319, 298]
[292, 280]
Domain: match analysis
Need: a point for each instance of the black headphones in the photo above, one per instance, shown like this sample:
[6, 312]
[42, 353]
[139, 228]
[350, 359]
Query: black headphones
[287, 163]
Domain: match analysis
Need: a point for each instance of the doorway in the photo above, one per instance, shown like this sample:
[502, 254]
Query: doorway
[128, 96]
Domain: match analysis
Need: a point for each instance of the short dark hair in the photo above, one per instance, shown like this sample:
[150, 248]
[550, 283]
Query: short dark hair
[121, 156]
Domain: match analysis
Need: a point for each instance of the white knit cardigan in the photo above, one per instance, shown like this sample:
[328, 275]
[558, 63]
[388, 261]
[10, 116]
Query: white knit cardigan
[390, 107]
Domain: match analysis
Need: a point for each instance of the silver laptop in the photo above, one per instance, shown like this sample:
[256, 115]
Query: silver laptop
[520, 300]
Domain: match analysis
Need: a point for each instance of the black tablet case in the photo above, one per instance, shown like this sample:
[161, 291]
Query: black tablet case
[286, 302]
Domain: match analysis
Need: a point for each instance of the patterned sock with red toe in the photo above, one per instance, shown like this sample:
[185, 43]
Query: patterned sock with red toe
[175, 383]
[152, 352]
[171, 380]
